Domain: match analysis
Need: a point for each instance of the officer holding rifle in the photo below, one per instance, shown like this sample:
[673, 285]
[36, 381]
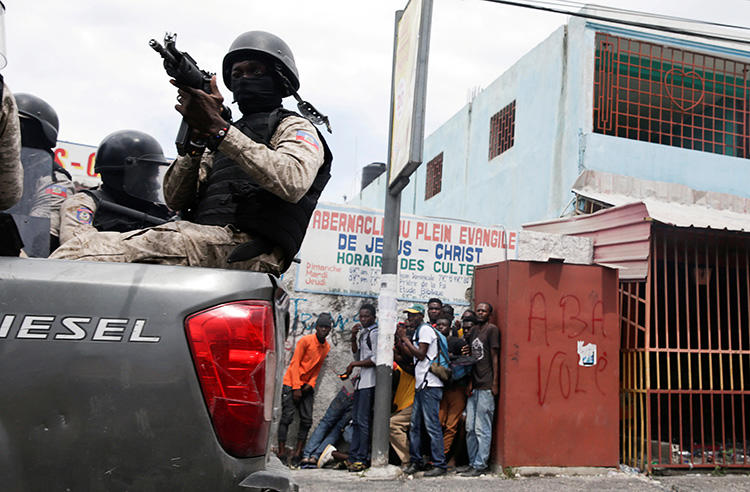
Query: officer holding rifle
[245, 189]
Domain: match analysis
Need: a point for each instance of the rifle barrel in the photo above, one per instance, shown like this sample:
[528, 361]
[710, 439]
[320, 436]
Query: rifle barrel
[129, 212]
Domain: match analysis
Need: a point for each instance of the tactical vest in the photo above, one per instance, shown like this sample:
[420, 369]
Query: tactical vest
[229, 196]
[107, 220]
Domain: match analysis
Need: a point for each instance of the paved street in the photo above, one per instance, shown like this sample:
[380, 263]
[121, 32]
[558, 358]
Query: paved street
[334, 480]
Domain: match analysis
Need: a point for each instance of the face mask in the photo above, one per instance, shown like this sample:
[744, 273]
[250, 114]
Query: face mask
[256, 94]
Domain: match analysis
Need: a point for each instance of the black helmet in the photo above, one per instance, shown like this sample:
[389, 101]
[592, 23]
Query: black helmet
[133, 162]
[39, 123]
[254, 42]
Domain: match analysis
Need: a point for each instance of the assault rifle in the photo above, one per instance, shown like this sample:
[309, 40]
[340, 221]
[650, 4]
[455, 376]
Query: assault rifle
[181, 67]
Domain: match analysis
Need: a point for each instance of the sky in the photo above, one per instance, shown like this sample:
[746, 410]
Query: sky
[91, 60]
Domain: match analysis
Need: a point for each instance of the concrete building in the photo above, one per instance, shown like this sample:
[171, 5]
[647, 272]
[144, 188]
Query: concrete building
[643, 137]
[592, 96]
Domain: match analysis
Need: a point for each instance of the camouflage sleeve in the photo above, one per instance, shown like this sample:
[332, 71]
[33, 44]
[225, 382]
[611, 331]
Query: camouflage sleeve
[289, 167]
[49, 197]
[11, 171]
[77, 216]
[182, 180]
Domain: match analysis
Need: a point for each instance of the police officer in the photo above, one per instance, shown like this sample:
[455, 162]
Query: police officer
[46, 183]
[11, 171]
[250, 193]
[131, 164]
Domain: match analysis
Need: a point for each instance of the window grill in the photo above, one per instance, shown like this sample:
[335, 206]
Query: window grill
[434, 178]
[670, 96]
[502, 130]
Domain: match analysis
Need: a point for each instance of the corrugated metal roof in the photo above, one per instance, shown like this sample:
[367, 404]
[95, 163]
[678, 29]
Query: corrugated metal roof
[622, 233]
[669, 203]
[621, 236]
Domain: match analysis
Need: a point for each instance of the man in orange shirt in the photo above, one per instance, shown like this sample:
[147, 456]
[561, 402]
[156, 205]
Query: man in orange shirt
[299, 386]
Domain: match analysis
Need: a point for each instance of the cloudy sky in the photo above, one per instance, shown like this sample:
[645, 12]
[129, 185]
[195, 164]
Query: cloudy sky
[91, 60]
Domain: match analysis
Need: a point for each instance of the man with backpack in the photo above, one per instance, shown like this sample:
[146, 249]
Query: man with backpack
[423, 346]
[454, 392]
[484, 345]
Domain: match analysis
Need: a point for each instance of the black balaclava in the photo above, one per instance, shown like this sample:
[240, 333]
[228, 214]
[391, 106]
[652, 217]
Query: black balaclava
[256, 94]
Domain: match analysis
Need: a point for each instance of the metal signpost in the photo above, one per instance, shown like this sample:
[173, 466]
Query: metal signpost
[405, 140]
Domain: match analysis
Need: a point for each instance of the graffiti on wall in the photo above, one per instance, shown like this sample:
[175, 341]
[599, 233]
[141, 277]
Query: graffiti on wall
[303, 323]
[566, 372]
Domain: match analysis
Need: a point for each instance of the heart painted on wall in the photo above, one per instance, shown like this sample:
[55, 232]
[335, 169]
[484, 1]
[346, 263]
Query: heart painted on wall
[685, 76]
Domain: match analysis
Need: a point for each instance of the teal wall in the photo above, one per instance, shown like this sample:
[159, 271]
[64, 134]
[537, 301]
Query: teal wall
[553, 89]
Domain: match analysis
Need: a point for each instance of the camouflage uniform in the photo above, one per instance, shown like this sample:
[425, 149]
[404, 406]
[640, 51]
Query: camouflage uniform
[51, 192]
[77, 216]
[286, 169]
[11, 170]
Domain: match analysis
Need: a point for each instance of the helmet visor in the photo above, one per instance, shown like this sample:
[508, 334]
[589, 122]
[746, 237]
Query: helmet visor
[37, 165]
[143, 177]
[3, 59]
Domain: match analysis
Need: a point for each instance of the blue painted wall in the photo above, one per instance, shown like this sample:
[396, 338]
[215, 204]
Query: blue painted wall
[553, 86]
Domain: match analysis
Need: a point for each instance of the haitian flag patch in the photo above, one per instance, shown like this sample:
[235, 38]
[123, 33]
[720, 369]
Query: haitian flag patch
[56, 190]
[307, 138]
[84, 215]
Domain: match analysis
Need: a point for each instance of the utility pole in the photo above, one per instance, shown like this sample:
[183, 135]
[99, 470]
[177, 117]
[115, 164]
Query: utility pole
[412, 38]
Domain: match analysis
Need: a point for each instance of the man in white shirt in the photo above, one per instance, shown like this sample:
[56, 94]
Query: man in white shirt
[428, 393]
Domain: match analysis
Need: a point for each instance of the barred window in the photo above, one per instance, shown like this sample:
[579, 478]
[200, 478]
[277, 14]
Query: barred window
[670, 96]
[434, 178]
[502, 129]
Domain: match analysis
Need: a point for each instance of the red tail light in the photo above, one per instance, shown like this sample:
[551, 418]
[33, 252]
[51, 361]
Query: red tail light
[234, 354]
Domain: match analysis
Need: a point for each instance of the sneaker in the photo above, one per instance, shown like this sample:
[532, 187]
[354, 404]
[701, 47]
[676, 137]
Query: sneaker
[435, 472]
[411, 469]
[474, 472]
[326, 456]
[295, 461]
[463, 468]
[357, 466]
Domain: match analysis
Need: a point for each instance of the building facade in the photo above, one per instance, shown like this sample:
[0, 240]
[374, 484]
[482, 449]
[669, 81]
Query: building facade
[592, 96]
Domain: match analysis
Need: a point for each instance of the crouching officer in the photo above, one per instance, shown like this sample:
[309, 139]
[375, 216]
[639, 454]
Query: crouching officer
[249, 193]
[132, 166]
[46, 183]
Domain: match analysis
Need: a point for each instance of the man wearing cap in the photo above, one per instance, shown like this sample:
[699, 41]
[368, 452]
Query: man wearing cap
[299, 386]
[423, 346]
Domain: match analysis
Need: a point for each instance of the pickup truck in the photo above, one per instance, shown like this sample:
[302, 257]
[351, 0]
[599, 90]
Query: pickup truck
[138, 377]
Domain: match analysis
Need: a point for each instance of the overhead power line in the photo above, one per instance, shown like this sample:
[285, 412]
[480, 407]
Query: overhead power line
[620, 10]
[644, 25]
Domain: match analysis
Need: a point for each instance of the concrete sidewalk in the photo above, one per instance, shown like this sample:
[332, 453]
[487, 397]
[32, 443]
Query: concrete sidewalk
[592, 479]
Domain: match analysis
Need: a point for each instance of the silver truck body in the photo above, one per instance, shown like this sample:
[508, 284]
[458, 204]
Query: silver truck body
[98, 389]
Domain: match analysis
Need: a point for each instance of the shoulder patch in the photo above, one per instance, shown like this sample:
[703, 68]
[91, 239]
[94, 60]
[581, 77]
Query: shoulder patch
[308, 138]
[57, 190]
[84, 215]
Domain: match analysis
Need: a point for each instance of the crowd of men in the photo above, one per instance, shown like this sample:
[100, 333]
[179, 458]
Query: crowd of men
[446, 381]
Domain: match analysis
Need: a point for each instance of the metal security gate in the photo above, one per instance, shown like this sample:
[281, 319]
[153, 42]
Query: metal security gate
[685, 357]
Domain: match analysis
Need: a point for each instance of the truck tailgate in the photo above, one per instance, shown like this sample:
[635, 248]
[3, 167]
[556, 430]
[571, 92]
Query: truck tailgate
[98, 389]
